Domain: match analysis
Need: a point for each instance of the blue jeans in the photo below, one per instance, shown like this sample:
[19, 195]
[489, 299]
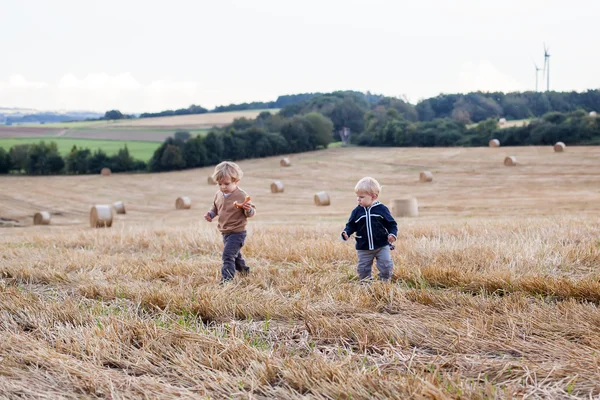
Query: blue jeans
[232, 255]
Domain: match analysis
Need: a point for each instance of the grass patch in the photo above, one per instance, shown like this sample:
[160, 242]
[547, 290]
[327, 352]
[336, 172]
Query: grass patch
[141, 150]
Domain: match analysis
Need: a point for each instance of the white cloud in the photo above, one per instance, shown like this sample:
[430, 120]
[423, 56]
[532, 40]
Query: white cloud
[484, 76]
[101, 92]
[19, 81]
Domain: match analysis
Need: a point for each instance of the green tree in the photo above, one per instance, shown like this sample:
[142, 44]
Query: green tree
[296, 135]
[214, 147]
[113, 114]
[194, 153]
[77, 162]
[122, 161]
[348, 114]
[43, 159]
[4, 161]
[97, 161]
[172, 158]
[320, 129]
[184, 136]
[18, 156]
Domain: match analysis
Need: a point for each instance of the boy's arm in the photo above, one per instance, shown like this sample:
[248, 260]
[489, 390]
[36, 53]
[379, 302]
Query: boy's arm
[251, 212]
[213, 210]
[350, 226]
[390, 223]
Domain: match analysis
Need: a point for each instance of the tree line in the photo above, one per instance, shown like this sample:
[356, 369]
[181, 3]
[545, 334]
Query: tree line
[313, 123]
[44, 159]
[465, 108]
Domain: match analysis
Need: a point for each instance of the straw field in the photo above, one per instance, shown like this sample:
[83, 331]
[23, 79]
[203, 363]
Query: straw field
[495, 291]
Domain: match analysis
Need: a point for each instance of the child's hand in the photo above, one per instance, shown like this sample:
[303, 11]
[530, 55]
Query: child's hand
[391, 239]
[345, 235]
[247, 206]
[208, 217]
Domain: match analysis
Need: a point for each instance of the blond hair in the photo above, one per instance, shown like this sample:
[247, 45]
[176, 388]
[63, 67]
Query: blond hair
[368, 185]
[227, 169]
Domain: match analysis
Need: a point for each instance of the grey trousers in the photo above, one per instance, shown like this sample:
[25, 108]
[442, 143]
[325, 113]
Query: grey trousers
[232, 255]
[385, 265]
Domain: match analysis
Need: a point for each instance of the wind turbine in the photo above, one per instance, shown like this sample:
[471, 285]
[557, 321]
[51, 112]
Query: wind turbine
[537, 70]
[547, 66]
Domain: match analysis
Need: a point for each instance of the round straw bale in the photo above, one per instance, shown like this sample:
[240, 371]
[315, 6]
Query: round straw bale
[285, 162]
[105, 171]
[559, 147]
[322, 199]
[593, 114]
[502, 121]
[41, 218]
[408, 207]
[101, 216]
[119, 207]
[183, 203]
[277, 187]
[510, 161]
[494, 143]
[211, 181]
[425, 176]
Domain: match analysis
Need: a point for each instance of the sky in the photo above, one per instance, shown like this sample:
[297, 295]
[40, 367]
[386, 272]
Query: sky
[148, 56]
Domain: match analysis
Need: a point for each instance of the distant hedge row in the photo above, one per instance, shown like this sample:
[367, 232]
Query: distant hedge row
[44, 159]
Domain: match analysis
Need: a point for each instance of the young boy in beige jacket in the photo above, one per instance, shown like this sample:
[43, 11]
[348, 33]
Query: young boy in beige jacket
[233, 207]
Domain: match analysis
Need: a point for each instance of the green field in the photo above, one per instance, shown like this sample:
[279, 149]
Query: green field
[141, 150]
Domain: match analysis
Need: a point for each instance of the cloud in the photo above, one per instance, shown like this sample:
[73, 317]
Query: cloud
[484, 76]
[101, 92]
[19, 81]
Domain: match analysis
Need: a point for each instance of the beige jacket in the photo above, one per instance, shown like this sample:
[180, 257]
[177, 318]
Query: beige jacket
[231, 219]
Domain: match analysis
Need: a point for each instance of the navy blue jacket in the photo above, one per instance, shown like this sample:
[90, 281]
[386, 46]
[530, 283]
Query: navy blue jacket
[372, 225]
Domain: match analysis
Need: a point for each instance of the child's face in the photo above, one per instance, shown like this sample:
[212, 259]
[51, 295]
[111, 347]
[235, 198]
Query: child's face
[365, 199]
[227, 185]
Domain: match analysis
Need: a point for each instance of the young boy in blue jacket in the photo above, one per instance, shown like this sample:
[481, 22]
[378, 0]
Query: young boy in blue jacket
[375, 229]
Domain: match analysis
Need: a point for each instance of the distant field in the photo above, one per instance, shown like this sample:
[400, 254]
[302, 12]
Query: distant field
[73, 125]
[10, 131]
[124, 133]
[141, 150]
[195, 121]
[508, 124]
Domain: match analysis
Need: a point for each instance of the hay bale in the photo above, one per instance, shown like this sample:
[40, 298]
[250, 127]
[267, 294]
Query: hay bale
[119, 207]
[285, 162]
[277, 187]
[322, 199]
[502, 121]
[105, 171]
[494, 143]
[593, 114]
[211, 181]
[510, 161]
[408, 207]
[41, 218]
[426, 176]
[183, 203]
[101, 216]
[559, 147]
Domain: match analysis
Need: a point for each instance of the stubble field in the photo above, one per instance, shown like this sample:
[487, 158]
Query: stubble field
[495, 290]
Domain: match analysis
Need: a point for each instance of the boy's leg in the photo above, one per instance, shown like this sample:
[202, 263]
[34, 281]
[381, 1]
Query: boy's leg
[240, 263]
[232, 245]
[385, 265]
[365, 264]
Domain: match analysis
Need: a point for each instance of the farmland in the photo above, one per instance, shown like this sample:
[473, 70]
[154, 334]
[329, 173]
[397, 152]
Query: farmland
[495, 291]
[141, 150]
[142, 136]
